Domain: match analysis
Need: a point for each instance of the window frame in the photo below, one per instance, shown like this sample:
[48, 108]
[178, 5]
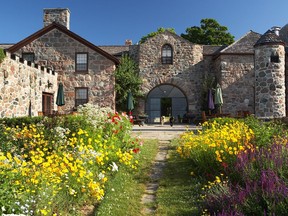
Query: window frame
[81, 101]
[166, 59]
[77, 64]
[32, 54]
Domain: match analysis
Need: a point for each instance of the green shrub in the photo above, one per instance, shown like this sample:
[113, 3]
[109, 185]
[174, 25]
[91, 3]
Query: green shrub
[265, 132]
[2, 55]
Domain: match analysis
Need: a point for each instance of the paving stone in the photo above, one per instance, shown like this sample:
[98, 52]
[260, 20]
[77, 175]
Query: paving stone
[151, 188]
[148, 198]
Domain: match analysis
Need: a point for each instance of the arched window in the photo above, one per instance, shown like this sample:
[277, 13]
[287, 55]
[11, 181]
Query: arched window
[167, 54]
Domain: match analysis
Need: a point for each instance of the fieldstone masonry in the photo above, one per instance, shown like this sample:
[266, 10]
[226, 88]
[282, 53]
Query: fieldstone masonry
[21, 87]
[243, 69]
[58, 15]
[185, 73]
[270, 82]
[57, 50]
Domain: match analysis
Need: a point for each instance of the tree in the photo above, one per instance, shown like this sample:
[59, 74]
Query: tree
[152, 34]
[127, 79]
[209, 33]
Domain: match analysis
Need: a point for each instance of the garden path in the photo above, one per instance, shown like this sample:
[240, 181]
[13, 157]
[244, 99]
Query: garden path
[164, 133]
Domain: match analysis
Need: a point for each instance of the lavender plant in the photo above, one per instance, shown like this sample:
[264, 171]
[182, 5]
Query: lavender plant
[258, 186]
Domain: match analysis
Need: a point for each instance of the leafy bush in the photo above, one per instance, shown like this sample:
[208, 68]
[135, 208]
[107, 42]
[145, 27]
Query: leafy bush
[265, 132]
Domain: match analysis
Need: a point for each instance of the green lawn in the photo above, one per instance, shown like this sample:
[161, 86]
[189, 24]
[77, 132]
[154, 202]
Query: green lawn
[178, 191]
[124, 192]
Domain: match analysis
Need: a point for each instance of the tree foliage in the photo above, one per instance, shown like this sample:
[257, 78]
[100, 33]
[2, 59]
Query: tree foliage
[127, 79]
[209, 33]
[152, 34]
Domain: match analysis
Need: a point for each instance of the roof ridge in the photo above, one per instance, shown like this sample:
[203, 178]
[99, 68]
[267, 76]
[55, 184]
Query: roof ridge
[62, 28]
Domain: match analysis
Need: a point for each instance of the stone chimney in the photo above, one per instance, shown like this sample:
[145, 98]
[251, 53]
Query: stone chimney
[128, 42]
[59, 15]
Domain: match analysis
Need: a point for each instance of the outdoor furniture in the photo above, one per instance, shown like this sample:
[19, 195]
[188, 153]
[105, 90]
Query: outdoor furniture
[140, 120]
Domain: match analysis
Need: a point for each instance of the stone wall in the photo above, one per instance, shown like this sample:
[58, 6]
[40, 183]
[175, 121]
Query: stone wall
[21, 87]
[186, 72]
[236, 76]
[57, 50]
[58, 15]
[270, 82]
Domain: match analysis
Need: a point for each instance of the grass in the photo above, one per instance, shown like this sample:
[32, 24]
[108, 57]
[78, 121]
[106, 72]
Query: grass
[125, 190]
[178, 191]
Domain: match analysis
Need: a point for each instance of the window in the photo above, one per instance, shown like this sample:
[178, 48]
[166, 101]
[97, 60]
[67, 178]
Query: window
[274, 59]
[30, 57]
[167, 57]
[81, 62]
[81, 96]
[47, 103]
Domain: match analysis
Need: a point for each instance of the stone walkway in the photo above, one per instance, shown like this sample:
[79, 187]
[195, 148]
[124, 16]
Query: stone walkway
[164, 133]
[149, 196]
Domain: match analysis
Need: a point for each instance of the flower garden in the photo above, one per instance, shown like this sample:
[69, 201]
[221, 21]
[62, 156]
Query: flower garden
[61, 165]
[55, 166]
[244, 164]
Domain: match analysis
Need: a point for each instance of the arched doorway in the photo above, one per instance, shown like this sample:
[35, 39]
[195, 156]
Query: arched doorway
[165, 100]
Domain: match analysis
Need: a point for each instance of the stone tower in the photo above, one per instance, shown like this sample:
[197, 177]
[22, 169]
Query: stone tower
[270, 76]
[59, 15]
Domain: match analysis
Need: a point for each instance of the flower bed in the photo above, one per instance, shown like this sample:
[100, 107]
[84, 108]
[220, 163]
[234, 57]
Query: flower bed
[62, 165]
[243, 178]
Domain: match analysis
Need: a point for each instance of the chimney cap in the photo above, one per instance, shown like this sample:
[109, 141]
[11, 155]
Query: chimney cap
[128, 42]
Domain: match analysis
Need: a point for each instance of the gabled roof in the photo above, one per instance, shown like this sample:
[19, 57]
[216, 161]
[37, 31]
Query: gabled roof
[212, 49]
[63, 29]
[269, 37]
[244, 45]
[115, 50]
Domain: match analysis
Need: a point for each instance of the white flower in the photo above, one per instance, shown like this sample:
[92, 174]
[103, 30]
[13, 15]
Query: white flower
[101, 176]
[3, 209]
[114, 167]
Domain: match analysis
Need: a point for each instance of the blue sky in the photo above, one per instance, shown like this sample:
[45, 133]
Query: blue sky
[111, 22]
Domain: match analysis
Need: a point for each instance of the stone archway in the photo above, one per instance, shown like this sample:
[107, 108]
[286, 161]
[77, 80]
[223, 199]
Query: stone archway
[165, 100]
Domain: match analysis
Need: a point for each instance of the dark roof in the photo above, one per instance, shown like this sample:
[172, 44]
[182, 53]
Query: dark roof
[212, 49]
[62, 28]
[269, 38]
[244, 45]
[115, 50]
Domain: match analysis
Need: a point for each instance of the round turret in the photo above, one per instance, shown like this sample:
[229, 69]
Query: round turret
[270, 76]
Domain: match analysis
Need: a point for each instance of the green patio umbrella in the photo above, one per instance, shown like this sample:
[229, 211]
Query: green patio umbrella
[60, 95]
[130, 103]
[218, 97]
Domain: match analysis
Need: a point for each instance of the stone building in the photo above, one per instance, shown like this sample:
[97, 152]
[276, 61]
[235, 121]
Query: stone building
[176, 73]
[85, 70]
